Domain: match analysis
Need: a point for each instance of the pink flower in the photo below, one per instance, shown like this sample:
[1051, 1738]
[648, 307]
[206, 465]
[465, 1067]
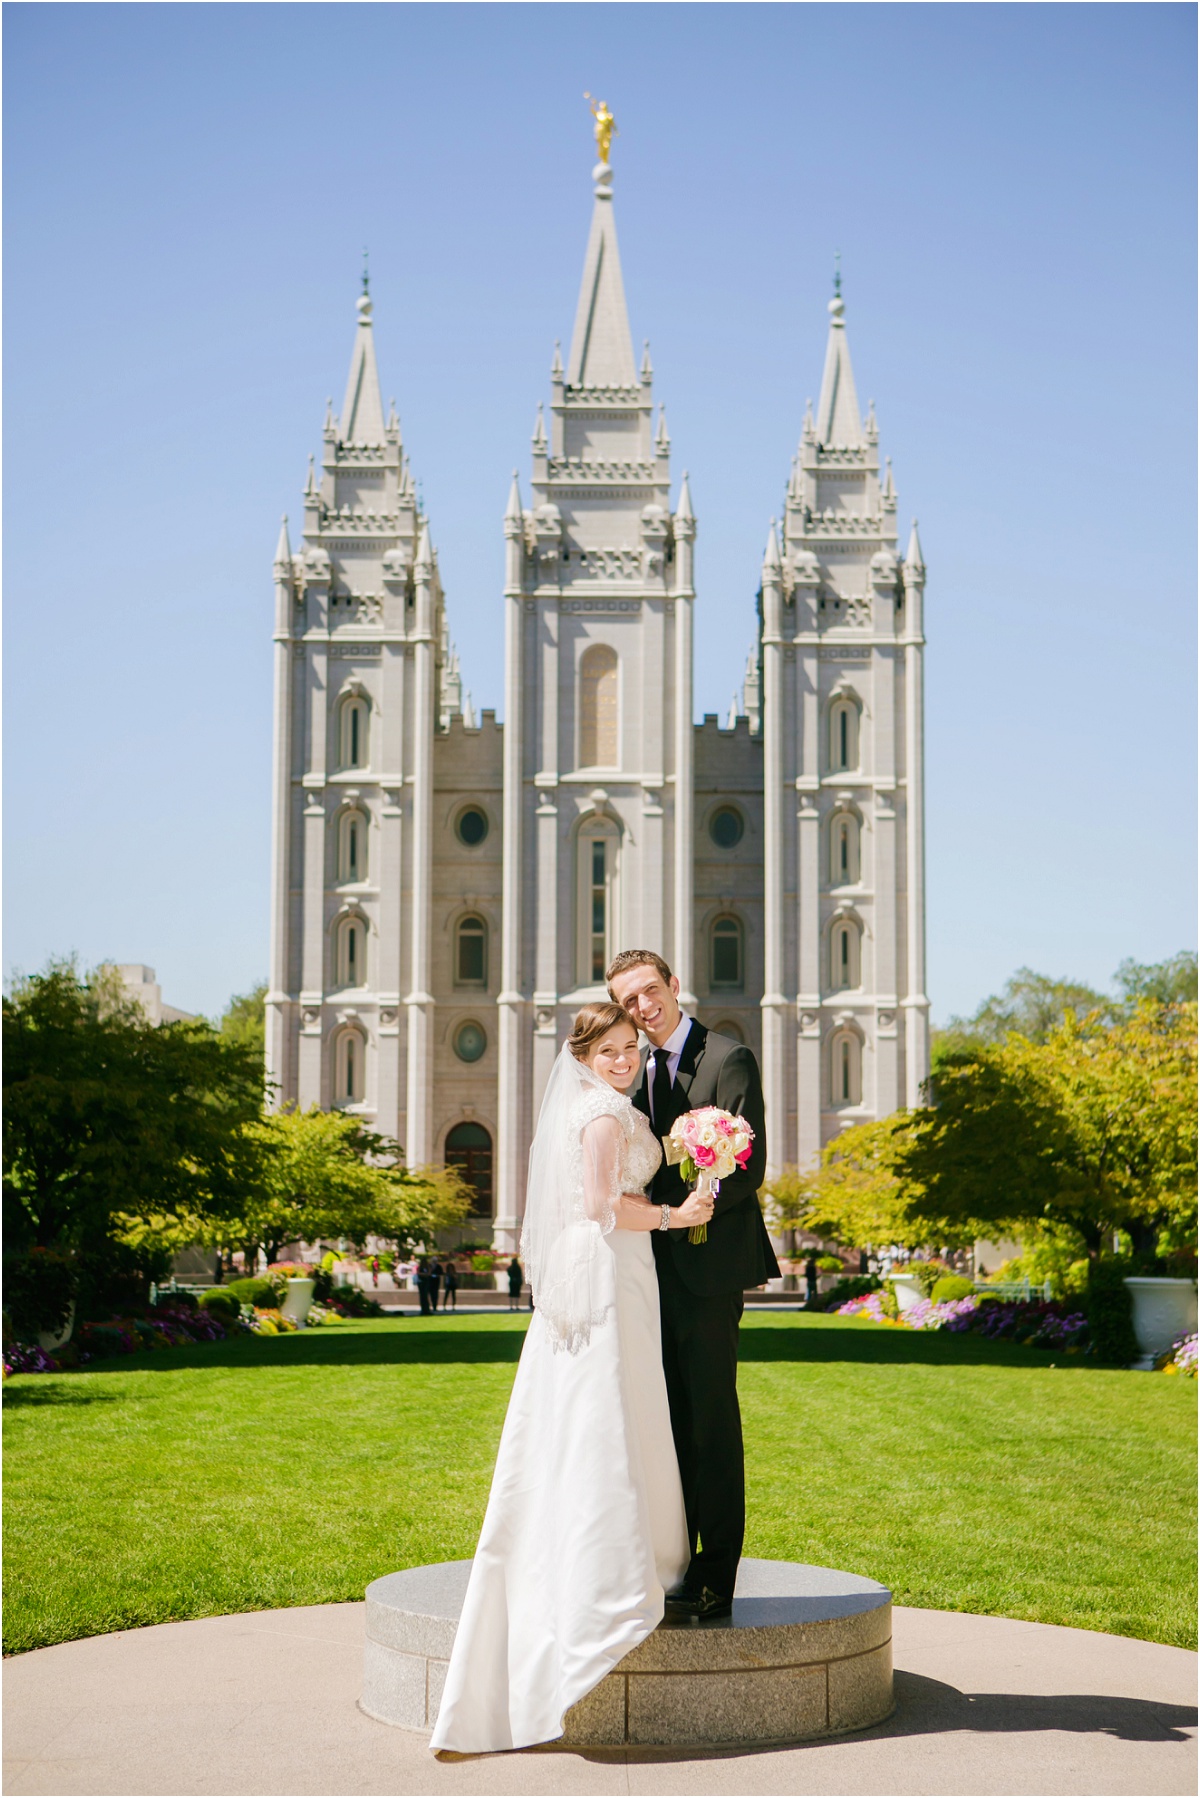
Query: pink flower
[744, 1157]
[703, 1157]
[725, 1125]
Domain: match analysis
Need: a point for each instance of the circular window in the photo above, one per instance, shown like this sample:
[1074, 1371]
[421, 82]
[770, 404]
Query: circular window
[471, 826]
[725, 827]
[470, 1041]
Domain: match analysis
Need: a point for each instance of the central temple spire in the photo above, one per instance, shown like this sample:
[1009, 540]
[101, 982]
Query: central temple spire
[362, 408]
[602, 348]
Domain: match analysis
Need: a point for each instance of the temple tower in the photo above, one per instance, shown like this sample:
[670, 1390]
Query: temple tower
[361, 655]
[598, 699]
[845, 1016]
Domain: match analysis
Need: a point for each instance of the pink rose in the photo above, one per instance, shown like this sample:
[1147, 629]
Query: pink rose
[744, 1157]
[703, 1157]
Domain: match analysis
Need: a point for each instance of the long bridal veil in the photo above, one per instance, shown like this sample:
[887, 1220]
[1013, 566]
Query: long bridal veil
[570, 1201]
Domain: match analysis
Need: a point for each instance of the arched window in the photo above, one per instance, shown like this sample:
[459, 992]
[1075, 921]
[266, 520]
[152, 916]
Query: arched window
[352, 846]
[469, 1149]
[844, 955]
[598, 707]
[843, 850]
[845, 1085]
[725, 967]
[727, 1027]
[843, 734]
[354, 746]
[596, 879]
[351, 945]
[349, 1068]
[470, 952]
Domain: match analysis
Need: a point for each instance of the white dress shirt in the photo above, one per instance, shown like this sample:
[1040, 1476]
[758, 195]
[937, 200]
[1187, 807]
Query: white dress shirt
[672, 1049]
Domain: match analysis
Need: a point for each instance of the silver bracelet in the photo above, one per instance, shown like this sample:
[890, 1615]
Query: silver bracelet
[666, 1218]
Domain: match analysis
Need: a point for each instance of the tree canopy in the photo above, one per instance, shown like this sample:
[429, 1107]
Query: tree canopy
[104, 1113]
[1081, 1130]
[323, 1174]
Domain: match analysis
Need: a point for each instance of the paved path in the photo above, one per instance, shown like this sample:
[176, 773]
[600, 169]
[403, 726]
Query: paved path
[266, 1703]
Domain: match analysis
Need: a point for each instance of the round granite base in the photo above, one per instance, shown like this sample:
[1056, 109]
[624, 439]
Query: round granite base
[806, 1653]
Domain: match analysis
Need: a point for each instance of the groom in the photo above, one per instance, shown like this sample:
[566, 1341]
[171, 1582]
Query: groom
[700, 1285]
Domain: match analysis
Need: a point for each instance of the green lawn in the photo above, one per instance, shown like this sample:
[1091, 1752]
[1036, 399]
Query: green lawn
[293, 1470]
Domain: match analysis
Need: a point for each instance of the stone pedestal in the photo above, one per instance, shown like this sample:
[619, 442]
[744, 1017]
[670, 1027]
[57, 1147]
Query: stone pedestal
[806, 1653]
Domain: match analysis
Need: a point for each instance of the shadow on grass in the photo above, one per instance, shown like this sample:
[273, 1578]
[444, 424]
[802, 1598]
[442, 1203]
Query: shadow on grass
[417, 1342]
[48, 1391]
[873, 1345]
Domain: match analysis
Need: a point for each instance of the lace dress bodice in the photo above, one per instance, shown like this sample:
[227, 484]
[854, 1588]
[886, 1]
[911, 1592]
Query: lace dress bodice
[641, 1154]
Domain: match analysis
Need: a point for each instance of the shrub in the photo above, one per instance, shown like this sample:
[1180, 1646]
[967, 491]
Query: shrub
[951, 1287]
[927, 1274]
[482, 1264]
[40, 1286]
[322, 1284]
[1110, 1312]
[251, 1291]
[351, 1301]
[221, 1302]
[855, 1286]
[830, 1264]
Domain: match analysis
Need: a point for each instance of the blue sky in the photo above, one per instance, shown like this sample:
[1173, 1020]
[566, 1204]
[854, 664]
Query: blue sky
[188, 191]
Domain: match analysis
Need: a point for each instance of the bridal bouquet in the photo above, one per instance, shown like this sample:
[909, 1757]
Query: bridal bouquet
[707, 1145]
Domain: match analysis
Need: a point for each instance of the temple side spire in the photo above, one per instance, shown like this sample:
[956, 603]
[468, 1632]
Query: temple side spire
[362, 408]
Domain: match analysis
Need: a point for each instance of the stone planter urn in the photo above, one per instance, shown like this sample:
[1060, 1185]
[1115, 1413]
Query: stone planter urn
[52, 1339]
[1163, 1310]
[907, 1289]
[297, 1300]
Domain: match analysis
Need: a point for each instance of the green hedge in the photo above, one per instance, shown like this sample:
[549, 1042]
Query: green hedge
[221, 1302]
[261, 1293]
[1109, 1310]
[951, 1287]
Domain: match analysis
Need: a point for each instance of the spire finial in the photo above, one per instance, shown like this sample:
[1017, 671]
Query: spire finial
[837, 274]
[605, 127]
[366, 278]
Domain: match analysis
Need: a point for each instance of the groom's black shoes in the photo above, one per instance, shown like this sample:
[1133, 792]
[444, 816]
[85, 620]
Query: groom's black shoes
[698, 1604]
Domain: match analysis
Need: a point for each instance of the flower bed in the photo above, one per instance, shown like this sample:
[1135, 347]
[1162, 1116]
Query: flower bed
[160, 1328]
[1182, 1358]
[1033, 1323]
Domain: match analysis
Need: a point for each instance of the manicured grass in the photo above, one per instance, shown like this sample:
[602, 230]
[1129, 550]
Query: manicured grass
[293, 1470]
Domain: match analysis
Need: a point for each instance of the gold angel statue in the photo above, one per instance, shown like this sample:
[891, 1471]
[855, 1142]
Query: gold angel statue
[605, 126]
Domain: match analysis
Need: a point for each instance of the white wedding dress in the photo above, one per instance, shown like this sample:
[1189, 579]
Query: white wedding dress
[585, 1526]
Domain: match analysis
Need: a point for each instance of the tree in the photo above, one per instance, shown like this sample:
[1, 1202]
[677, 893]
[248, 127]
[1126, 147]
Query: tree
[1170, 982]
[857, 1196]
[323, 1174]
[107, 1115]
[244, 1019]
[1092, 1130]
[1033, 1005]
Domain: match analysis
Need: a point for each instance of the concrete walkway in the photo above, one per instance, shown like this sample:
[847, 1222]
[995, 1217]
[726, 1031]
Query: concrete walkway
[266, 1703]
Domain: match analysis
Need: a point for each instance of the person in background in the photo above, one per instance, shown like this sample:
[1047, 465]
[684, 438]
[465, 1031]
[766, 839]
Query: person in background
[516, 1280]
[450, 1285]
[423, 1285]
[810, 1279]
[435, 1280]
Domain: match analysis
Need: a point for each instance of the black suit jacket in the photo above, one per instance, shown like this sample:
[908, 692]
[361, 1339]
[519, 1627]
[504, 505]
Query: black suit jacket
[715, 1070]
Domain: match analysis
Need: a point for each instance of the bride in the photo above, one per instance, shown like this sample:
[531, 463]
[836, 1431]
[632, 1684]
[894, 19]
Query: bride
[585, 1525]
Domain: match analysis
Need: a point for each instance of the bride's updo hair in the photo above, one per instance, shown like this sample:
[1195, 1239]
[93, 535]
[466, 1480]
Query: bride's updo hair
[593, 1022]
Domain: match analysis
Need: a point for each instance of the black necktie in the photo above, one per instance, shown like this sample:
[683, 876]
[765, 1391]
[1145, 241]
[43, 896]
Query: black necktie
[660, 1093]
